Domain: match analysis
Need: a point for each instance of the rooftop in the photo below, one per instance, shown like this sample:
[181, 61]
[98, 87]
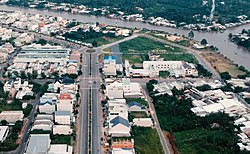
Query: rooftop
[119, 120]
[38, 143]
[3, 130]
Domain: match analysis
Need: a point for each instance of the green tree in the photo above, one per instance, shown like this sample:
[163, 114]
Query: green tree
[204, 42]
[230, 35]
[94, 43]
[4, 123]
[34, 74]
[225, 76]
[27, 110]
[191, 35]
[23, 75]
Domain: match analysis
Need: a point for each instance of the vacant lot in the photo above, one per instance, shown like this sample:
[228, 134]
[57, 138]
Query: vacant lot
[139, 100]
[222, 64]
[146, 141]
[135, 59]
[182, 57]
[133, 115]
[144, 45]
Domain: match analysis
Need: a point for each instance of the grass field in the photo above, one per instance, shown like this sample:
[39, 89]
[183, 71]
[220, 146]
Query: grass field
[144, 45]
[194, 141]
[61, 139]
[139, 100]
[140, 44]
[146, 141]
[103, 40]
[222, 64]
[134, 59]
[107, 50]
[133, 115]
[183, 57]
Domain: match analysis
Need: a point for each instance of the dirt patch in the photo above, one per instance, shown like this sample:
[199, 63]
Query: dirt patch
[171, 142]
[222, 63]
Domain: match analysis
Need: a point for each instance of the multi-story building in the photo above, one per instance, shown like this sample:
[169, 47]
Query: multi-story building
[63, 117]
[152, 69]
[46, 53]
[109, 66]
[11, 116]
[4, 130]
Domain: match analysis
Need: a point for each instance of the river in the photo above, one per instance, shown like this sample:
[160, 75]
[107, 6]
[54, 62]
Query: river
[239, 55]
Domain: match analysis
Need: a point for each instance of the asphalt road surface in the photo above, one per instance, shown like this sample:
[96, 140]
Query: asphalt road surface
[83, 114]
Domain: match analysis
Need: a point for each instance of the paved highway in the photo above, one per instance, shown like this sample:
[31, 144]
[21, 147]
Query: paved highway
[96, 134]
[83, 129]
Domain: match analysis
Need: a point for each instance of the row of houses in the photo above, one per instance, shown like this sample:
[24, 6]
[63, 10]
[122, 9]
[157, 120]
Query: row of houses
[41, 143]
[117, 123]
[17, 89]
[55, 115]
[44, 59]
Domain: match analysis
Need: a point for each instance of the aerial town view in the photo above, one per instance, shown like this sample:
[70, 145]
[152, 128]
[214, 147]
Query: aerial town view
[124, 77]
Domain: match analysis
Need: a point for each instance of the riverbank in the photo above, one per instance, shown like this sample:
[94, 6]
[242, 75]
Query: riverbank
[138, 14]
[222, 64]
[220, 40]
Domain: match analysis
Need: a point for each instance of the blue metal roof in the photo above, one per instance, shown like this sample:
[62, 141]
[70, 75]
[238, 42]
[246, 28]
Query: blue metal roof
[119, 120]
[109, 57]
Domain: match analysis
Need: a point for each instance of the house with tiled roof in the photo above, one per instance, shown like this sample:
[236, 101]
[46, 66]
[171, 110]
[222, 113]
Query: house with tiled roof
[119, 127]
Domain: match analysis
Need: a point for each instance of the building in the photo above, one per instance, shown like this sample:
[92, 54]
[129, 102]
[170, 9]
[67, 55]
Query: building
[72, 66]
[109, 66]
[42, 53]
[142, 122]
[119, 127]
[4, 130]
[60, 149]
[24, 90]
[117, 107]
[136, 107]
[152, 69]
[42, 124]
[38, 144]
[63, 117]
[176, 68]
[65, 103]
[47, 107]
[114, 90]
[8, 85]
[11, 116]
[62, 129]
[131, 89]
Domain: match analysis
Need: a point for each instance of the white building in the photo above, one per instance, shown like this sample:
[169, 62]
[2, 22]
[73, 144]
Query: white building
[47, 107]
[37, 52]
[176, 68]
[11, 116]
[25, 90]
[4, 130]
[114, 90]
[117, 107]
[60, 149]
[142, 122]
[63, 117]
[152, 69]
[119, 127]
[38, 144]
[62, 129]
[109, 66]
[131, 89]
[8, 85]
